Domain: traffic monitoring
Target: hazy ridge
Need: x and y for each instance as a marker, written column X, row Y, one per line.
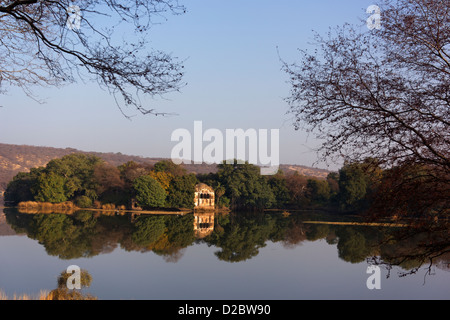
column 21, row 158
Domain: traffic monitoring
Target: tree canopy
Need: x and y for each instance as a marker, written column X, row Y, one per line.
column 50, row 43
column 383, row 94
column 380, row 93
column 51, row 188
column 149, row 193
column 182, row 191
column 78, row 171
column 246, row 187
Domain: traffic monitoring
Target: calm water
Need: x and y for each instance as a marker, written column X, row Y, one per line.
column 202, row 256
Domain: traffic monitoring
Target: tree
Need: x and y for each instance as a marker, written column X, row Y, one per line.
column 163, row 178
column 278, row 184
column 245, row 186
column 333, row 183
column 109, row 185
column 83, row 202
column 131, row 170
column 359, row 184
column 352, row 186
column 78, row 171
column 149, row 193
column 47, row 43
column 318, row 191
column 107, row 177
column 219, row 191
column 169, row 167
column 85, row 279
column 20, row 188
column 381, row 93
column 182, row 191
column 296, row 185
column 63, row 293
column 50, row 187
column 408, row 191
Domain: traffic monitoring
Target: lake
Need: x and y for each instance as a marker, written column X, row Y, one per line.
column 203, row 256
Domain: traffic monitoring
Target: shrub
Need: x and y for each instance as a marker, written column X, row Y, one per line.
column 83, row 202
column 149, row 193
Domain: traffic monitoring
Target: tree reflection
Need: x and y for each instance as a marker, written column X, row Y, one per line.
column 237, row 237
column 294, row 235
column 242, row 237
column 352, row 246
column 411, row 250
column 148, row 230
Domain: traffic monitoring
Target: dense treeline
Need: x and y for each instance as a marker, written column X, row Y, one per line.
column 362, row 187
column 88, row 181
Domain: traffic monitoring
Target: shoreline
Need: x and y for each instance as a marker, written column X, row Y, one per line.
column 44, row 209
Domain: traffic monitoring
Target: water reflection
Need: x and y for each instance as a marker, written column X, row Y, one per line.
column 203, row 224
column 62, row 292
column 236, row 237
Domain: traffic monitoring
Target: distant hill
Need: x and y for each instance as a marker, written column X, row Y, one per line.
column 21, row 158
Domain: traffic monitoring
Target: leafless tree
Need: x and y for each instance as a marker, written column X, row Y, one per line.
column 381, row 93
column 42, row 44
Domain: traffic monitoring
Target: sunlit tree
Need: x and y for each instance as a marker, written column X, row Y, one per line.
column 149, row 193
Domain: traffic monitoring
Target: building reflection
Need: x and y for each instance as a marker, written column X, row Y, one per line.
column 203, row 224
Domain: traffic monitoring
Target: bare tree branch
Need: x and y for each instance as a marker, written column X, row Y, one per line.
column 37, row 48
column 383, row 94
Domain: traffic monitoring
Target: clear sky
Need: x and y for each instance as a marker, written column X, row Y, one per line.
column 233, row 74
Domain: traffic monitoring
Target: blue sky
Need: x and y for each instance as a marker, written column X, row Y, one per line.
column 233, row 75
